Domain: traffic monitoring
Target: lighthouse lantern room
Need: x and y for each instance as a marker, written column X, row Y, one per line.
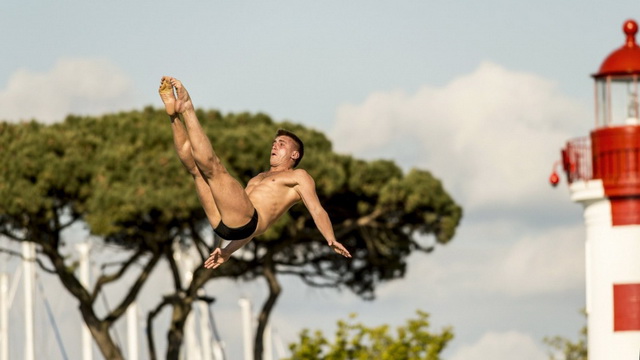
column 603, row 171
column 617, row 83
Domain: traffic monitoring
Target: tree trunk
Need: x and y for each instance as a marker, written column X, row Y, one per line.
column 100, row 332
column 175, row 336
column 263, row 318
column 99, row 329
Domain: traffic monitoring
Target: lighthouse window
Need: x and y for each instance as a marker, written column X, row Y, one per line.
column 617, row 101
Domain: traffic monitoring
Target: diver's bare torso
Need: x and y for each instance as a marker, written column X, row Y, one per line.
column 272, row 194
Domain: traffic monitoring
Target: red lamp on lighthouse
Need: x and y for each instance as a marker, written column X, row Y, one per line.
column 603, row 171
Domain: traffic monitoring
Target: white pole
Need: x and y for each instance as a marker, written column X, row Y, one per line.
column 247, row 327
column 4, row 316
column 268, row 349
column 28, row 255
column 205, row 334
column 83, row 250
column 217, row 345
column 132, row 330
column 191, row 348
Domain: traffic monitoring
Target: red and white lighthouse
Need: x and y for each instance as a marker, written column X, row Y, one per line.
column 603, row 171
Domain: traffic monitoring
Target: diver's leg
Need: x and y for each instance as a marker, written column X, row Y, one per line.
column 231, row 200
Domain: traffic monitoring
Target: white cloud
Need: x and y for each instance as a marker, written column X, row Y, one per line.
column 492, row 136
column 78, row 86
column 551, row 261
column 501, row 346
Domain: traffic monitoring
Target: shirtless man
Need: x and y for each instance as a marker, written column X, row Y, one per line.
column 235, row 213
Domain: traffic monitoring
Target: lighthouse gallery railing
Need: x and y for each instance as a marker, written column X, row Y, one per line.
column 576, row 159
column 611, row 154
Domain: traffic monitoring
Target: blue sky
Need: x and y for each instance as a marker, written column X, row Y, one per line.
column 483, row 95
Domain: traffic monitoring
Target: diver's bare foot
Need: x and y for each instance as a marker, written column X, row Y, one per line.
column 167, row 95
column 183, row 100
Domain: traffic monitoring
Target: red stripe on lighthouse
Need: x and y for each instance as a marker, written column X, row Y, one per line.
column 616, row 160
column 625, row 211
column 626, row 307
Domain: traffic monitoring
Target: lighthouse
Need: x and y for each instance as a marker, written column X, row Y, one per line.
column 603, row 172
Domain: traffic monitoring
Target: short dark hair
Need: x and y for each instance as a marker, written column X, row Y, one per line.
column 296, row 139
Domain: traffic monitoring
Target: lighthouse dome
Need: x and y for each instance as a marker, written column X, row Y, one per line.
column 625, row 60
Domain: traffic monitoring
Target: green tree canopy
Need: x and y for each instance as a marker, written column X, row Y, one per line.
column 562, row 348
column 413, row 341
column 118, row 174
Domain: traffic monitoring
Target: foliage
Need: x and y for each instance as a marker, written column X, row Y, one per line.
column 570, row 350
column 412, row 341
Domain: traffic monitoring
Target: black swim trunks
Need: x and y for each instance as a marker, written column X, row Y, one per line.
column 238, row 233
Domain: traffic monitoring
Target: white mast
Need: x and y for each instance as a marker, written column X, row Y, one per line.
column 191, row 349
column 132, row 331
column 247, row 326
column 268, row 349
column 83, row 250
column 28, row 255
column 4, row 316
column 205, row 333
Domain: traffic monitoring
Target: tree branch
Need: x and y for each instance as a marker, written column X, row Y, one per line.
column 274, row 292
column 199, row 243
column 175, row 272
column 69, row 223
column 105, row 279
column 306, row 278
column 36, row 259
column 66, row 275
column 349, row 225
column 133, row 293
column 150, row 317
column 11, row 236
